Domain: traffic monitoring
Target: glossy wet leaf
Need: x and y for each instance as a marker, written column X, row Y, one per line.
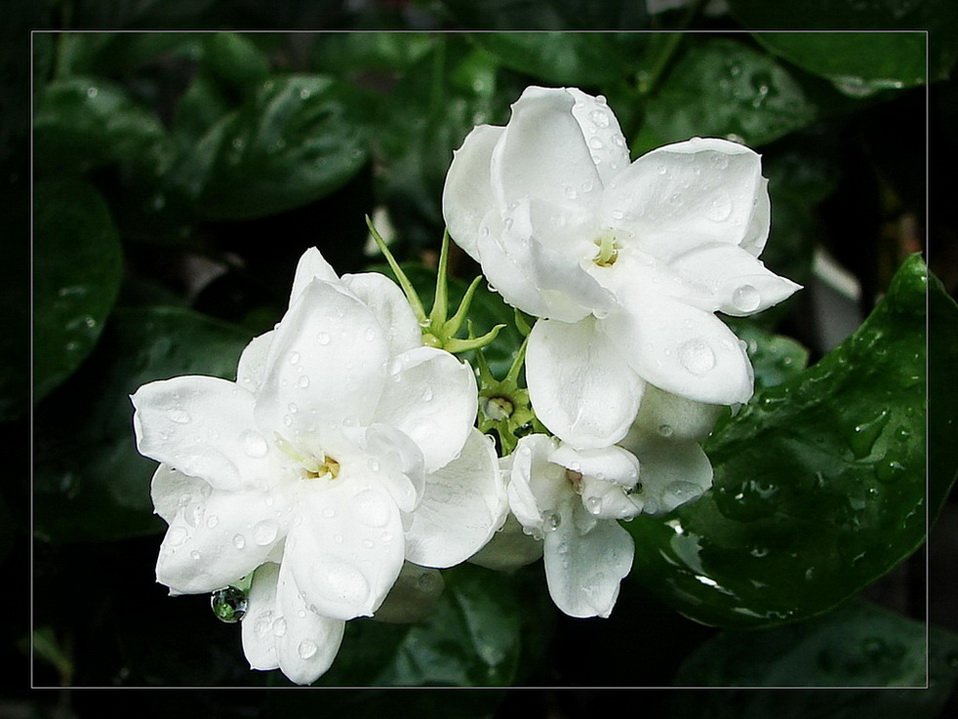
column 775, row 358
column 858, row 63
column 294, row 141
column 77, row 269
column 566, row 58
column 819, row 485
column 937, row 16
column 473, row 638
column 723, row 88
column 86, row 122
column 90, row 483
column 857, row 645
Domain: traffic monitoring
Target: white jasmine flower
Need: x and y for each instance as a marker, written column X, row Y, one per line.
column 625, row 263
column 571, row 500
column 343, row 449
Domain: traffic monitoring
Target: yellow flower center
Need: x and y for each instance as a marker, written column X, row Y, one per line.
column 313, row 466
column 608, row 251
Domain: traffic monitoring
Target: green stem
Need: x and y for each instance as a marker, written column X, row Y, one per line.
column 410, row 291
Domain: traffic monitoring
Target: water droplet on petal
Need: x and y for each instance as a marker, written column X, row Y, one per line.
column 340, row 581
column 253, row 444
column 665, row 430
column 179, row 416
column 696, row 356
column 719, row 207
column 294, row 358
column 264, row 533
column 322, row 338
column 239, row 541
column 303, row 382
column 595, row 143
column 369, row 334
column 593, row 504
column 551, row 521
column 279, row 627
column 307, row 649
column 746, row 298
column 371, row 508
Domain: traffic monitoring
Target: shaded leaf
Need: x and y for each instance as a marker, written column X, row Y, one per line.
column 86, row 122
column 294, row 141
column 723, row 88
column 858, row 63
column 857, row 645
column 77, row 274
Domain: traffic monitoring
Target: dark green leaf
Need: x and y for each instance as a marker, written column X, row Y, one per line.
column 723, row 88
column 819, row 485
column 939, row 17
column 858, row 63
column 472, row 639
column 235, row 60
column 295, row 141
column 857, row 645
column 350, row 54
column 565, row 58
column 77, row 274
column 432, row 108
column 119, row 55
column 85, row 122
column 775, row 358
column 90, row 483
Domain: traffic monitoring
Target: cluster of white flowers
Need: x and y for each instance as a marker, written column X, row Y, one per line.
column 347, row 450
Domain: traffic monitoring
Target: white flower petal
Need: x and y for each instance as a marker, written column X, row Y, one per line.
column 680, row 196
column 312, row 265
column 252, row 363
column 543, row 153
column 306, row 642
column 739, row 284
column 202, row 426
column 602, row 132
column 171, row 489
column 581, row 388
column 662, row 414
column 326, row 364
column 432, row 398
column 397, row 461
column 609, row 464
column 681, row 349
column 464, row 504
column 583, row 571
column 216, row 539
column 529, row 277
column 467, row 194
column 389, row 305
column 536, row 487
column 348, row 549
column 510, row 548
column 673, row 472
column 259, row 639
